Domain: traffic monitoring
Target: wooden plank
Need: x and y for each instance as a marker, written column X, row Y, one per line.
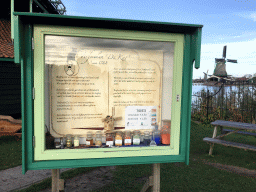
column 245, row 126
column 239, row 132
column 230, row 144
column 229, row 133
column 213, row 136
column 146, row 186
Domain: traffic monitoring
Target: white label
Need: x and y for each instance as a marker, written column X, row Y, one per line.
column 136, row 141
column 140, row 117
column 118, row 142
column 110, row 143
column 127, row 141
column 87, row 143
column 76, row 143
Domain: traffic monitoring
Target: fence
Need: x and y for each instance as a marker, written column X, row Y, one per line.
column 234, row 101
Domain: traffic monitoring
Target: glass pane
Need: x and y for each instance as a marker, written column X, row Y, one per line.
column 107, row 92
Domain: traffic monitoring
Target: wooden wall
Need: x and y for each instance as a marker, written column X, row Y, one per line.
column 10, row 89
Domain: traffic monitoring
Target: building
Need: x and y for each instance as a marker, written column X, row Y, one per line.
column 10, row 79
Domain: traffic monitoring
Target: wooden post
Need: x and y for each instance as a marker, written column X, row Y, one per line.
column 55, row 180
column 57, row 183
column 213, row 136
column 153, row 181
column 156, row 177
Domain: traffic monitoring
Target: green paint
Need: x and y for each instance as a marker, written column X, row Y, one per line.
column 188, row 38
column 7, row 59
column 17, row 40
column 43, row 15
column 12, row 22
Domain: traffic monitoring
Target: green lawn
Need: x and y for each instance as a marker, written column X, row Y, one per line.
column 198, row 176
column 221, row 154
column 10, row 153
column 180, row 177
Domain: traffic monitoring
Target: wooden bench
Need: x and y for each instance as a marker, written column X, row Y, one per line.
column 10, row 126
column 236, row 125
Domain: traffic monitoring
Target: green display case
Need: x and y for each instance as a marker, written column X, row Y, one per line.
column 84, row 77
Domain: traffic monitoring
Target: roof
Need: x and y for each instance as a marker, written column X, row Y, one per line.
column 6, row 46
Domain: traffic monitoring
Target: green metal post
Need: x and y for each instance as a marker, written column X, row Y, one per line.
column 31, row 6
column 12, row 24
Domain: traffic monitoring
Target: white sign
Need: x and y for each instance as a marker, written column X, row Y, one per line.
column 140, row 117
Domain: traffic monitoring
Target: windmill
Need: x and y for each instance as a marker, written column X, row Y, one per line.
column 220, row 64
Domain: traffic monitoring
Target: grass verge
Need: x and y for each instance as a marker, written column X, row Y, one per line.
column 10, row 153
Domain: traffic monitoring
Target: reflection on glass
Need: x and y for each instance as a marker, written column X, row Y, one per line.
column 96, row 86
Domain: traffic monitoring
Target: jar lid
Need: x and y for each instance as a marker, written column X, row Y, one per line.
column 98, row 133
column 89, row 134
column 146, row 133
column 135, row 132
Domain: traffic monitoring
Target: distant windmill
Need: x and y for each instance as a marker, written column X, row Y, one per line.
column 206, row 75
column 220, row 64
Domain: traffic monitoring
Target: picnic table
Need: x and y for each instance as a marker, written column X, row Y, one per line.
column 241, row 128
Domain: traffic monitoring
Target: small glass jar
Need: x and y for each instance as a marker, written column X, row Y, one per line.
column 57, row 143
column 142, row 138
column 76, row 140
column 147, row 138
column 136, row 137
column 127, row 138
column 69, row 141
column 165, row 132
column 119, row 138
column 156, row 134
column 89, row 138
column 62, row 143
column 103, row 138
column 98, row 139
column 109, row 139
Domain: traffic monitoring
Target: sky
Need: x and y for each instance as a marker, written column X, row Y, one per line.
column 229, row 22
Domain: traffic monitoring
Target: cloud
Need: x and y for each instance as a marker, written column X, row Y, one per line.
column 249, row 15
column 253, row 16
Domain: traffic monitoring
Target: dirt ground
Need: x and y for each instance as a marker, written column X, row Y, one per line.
column 93, row 180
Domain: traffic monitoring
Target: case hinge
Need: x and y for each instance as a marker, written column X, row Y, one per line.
column 32, row 43
column 33, row 93
column 34, row 141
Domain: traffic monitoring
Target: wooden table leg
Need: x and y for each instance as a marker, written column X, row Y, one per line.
column 213, row 136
